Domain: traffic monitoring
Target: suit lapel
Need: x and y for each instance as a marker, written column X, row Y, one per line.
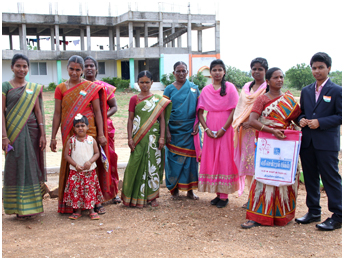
column 311, row 96
column 323, row 92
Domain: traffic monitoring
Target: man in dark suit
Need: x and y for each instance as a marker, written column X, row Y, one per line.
column 320, row 119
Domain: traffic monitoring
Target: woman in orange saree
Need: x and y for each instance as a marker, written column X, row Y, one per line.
column 74, row 96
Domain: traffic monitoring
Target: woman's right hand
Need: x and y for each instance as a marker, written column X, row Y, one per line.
column 246, row 125
column 5, row 143
column 168, row 137
column 53, row 144
column 278, row 134
column 210, row 133
column 131, row 144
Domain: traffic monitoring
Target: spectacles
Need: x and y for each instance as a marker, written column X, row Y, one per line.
column 181, row 71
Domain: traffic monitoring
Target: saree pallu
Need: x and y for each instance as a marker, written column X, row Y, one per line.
column 181, row 166
column 270, row 205
column 76, row 101
column 110, row 93
column 24, row 173
column 244, row 146
column 144, row 172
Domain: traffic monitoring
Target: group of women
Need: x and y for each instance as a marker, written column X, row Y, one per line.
column 163, row 134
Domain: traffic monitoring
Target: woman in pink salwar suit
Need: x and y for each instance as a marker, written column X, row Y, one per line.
column 218, row 173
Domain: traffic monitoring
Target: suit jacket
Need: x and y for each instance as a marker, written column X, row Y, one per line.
column 328, row 111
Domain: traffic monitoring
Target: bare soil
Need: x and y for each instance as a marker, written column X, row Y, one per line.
column 177, row 228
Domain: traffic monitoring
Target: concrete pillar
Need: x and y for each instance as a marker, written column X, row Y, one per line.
column 23, row 37
column 59, row 71
column 179, row 41
column 57, row 36
column 111, row 40
column 189, row 34
column 199, row 38
column 137, row 38
column 217, row 37
column 132, row 72
column 82, row 39
column 64, row 42
column 52, row 35
column 119, row 69
column 146, row 35
column 161, row 66
column 38, row 43
column 118, row 39
column 11, row 41
column 131, row 33
column 88, row 34
column 172, row 32
column 161, row 34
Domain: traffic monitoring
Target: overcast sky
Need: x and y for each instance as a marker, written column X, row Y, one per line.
column 286, row 33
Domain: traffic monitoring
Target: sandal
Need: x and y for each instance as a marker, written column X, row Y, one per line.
column 245, row 205
column 154, row 203
column 116, row 200
column 94, row 216
column 215, row 201
column 250, row 224
column 100, row 209
column 75, row 216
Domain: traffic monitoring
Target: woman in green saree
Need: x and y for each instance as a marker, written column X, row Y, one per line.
column 148, row 116
column 23, row 140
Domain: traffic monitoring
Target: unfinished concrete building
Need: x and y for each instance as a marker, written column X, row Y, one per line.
column 124, row 58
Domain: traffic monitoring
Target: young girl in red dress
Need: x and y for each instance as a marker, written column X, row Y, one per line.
column 82, row 188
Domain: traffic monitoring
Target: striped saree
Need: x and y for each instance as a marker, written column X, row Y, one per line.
column 24, row 174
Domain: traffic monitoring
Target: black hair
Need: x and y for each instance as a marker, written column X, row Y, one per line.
column 19, row 56
column 146, row 73
column 94, row 61
column 263, row 62
column 223, row 81
column 322, row 57
column 268, row 76
column 179, row 63
column 77, row 59
column 81, row 120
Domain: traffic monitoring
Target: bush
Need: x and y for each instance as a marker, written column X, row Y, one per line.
column 237, row 77
column 299, row 76
column 117, row 82
column 52, row 86
column 336, row 77
column 199, row 79
column 167, row 79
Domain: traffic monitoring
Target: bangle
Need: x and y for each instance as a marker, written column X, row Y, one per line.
column 205, row 130
column 101, row 136
column 40, row 124
column 223, row 129
column 162, row 138
column 262, row 128
column 53, row 139
column 4, row 138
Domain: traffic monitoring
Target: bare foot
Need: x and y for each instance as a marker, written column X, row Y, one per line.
column 154, row 203
column 175, row 194
column 192, row 196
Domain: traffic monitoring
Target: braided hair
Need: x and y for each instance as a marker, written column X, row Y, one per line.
column 223, row 81
column 264, row 63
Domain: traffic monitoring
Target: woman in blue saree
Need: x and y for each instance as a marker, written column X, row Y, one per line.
column 181, row 166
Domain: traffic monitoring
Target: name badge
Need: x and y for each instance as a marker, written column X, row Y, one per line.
column 327, row 98
column 29, row 91
column 193, row 90
column 83, row 93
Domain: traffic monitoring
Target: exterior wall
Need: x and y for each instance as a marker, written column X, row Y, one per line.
column 199, row 62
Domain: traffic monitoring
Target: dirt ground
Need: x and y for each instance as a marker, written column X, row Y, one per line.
column 177, row 228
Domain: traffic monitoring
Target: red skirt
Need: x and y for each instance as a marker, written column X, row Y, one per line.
column 82, row 190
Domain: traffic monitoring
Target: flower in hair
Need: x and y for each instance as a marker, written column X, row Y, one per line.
column 78, row 116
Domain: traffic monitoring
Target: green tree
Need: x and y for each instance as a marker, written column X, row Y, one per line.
column 237, row 77
column 167, row 79
column 199, row 79
column 299, row 76
column 336, row 77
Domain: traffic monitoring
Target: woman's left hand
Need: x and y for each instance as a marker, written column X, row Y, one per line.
column 42, row 142
column 195, row 130
column 87, row 165
column 102, row 140
column 161, row 143
column 220, row 133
